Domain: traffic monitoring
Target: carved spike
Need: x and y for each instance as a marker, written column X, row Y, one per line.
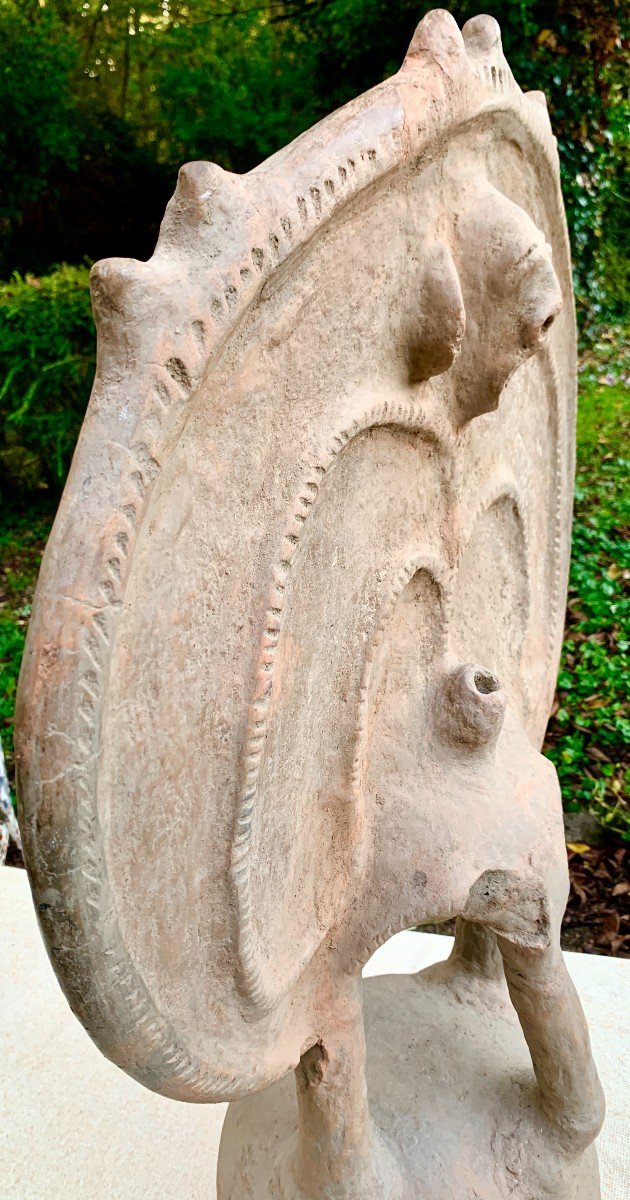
column 205, row 194
column 197, row 182
column 438, row 36
column 482, row 39
column 111, row 280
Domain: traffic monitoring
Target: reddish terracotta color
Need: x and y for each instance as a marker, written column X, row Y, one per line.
column 294, row 645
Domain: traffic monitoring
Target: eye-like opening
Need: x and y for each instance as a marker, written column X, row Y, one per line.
column 471, row 707
column 548, row 323
column 486, row 683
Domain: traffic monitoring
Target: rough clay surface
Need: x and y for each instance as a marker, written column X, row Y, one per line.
column 294, row 645
column 440, row 1035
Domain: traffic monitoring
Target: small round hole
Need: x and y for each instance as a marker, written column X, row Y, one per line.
column 548, row 323
column 486, row 683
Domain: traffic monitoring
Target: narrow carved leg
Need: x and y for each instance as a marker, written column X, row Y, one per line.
column 340, row 1153
column 475, row 949
column 555, row 1029
column 525, row 913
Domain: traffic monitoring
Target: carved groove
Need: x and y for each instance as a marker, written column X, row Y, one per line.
column 442, row 576
column 167, row 1055
column 386, row 413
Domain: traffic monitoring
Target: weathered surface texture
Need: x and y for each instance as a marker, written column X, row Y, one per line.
column 326, row 469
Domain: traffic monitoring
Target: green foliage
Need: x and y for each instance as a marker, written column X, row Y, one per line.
column 233, row 80
column 588, row 736
column 76, row 182
column 244, row 108
column 38, row 57
column 46, row 371
column 22, row 539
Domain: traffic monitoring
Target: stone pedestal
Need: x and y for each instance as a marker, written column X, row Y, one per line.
column 451, row 1093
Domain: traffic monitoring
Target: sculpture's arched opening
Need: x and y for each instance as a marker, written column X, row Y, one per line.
column 491, row 597
column 308, row 801
column 411, row 646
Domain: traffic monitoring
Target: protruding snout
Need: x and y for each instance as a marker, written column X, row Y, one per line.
column 510, row 292
column 540, row 299
column 470, row 707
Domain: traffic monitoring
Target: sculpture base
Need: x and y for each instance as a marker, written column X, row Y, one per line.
column 451, row 1089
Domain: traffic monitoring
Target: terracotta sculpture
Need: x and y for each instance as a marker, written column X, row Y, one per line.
column 326, row 469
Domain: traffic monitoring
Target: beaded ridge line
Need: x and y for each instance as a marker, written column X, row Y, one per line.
column 170, row 389
column 168, row 1057
column 397, row 414
column 561, row 548
column 163, row 1057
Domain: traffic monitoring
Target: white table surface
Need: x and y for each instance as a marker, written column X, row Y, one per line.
column 74, row 1127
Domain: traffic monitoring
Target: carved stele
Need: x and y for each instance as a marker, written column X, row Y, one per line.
column 327, row 468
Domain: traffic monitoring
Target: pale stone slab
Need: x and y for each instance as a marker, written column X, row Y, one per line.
column 74, row 1126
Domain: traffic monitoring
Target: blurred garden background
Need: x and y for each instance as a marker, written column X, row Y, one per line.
column 101, row 102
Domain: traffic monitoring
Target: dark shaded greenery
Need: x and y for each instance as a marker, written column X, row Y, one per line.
column 22, row 539
column 47, row 359
column 120, row 94
column 37, row 63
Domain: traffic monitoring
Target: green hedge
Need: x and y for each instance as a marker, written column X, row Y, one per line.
column 47, row 359
column 589, row 733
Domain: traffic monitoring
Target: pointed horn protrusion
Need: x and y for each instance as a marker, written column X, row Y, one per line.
column 439, row 38
column 197, row 182
column 482, row 38
column 206, row 196
column 200, row 186
column 111, row 282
